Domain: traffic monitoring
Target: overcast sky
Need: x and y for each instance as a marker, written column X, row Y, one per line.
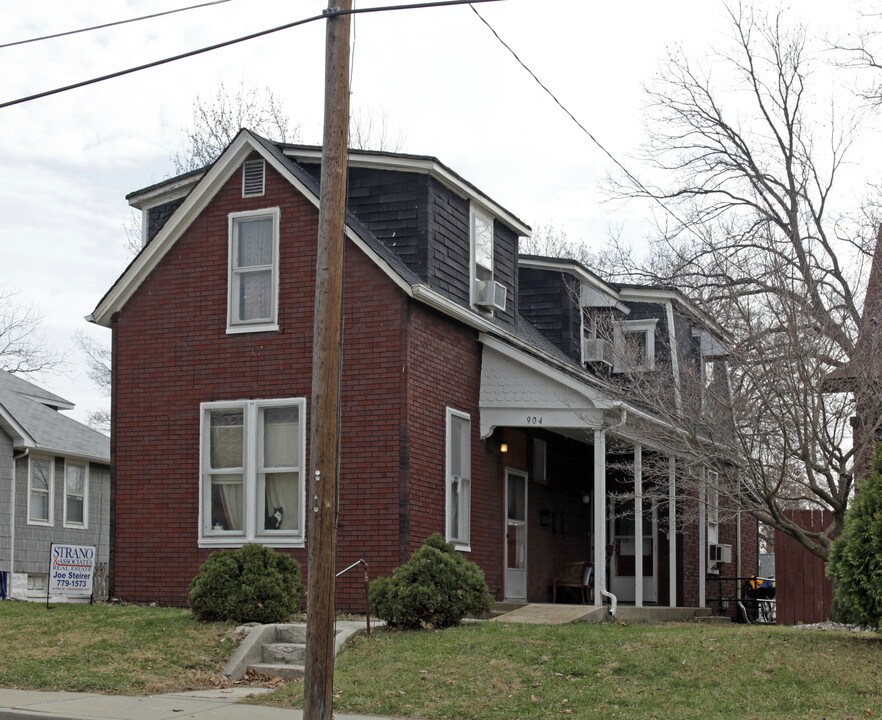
column 438, row 76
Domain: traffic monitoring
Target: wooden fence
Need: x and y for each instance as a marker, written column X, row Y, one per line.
column 803, row 591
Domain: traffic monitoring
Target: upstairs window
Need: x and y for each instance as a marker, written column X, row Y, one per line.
column 253, row 271
column 634, row 346
column 76, row 494
column 40, row 490
column 459, row 478
column 485, row 293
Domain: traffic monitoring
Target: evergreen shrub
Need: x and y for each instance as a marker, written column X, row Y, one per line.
column 436, row 588
column 855, row 562
column 251, row 584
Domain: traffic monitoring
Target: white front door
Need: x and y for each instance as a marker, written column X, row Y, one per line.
column 515, row 535
column 622, row 564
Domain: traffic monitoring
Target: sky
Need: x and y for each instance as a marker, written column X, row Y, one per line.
column 442, row 81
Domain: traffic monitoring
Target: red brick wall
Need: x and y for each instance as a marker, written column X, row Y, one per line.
column 444, row 370
column 173, row 353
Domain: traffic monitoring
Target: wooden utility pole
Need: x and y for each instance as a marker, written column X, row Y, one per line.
column 318, row 687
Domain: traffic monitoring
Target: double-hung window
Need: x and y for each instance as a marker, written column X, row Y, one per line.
column 253, row 291
column 41, row 493
column 634, row 345
column 481, row 252
column 459, row 478
column 253, row 455
column 76, row 494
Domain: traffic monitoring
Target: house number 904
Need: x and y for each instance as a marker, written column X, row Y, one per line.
column 534, row 419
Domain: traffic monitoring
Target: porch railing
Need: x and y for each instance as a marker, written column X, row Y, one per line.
column 753, row 598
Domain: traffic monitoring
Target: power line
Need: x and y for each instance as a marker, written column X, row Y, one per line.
column 234, row 41
column 110, row 24
column 585, row 130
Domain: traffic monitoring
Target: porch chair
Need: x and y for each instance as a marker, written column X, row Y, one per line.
column 576, row 576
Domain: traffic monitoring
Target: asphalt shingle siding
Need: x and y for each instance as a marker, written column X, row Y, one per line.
column 550, row 301
column 392, row 205
column 448, row 247
column 505, row 253
column 159, row 215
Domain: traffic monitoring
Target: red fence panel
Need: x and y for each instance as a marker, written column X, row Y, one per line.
column 804, row 593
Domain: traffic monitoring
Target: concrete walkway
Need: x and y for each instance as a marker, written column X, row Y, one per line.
column 199, row 705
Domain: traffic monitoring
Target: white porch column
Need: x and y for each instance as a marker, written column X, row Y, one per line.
column 672, row 531
column 638, row 525
column 599, row 514
column 702, row 540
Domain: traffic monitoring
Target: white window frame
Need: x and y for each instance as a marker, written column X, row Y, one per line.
column 634, row 327
column 51, row 499
column 264, row 324
column 461, row 537
column 712, row 499
column 85, row 523
column 253, row 500
column 476, row 213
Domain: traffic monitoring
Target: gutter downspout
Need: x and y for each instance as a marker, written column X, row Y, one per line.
column 15, row 459
column 613, row 600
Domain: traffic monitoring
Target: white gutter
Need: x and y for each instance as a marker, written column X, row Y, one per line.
column 675, row 358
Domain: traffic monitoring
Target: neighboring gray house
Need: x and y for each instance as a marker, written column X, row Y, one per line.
column 54, row 485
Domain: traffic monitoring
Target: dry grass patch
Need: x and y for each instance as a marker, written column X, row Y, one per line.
column 122, row 649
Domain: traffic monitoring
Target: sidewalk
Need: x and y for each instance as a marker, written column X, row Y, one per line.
column 202, row 705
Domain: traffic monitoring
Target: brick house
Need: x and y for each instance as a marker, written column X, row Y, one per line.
column 54, row 486
column 475, row 401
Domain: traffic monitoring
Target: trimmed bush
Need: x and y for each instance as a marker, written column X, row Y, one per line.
column 855, row 562
column 252, row 584
column 436, row 588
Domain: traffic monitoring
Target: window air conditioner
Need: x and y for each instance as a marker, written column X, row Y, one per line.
column 719, row 553
column 490, row 294
column 594, row 350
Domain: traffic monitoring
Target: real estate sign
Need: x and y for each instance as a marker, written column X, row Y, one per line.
column 71, row 568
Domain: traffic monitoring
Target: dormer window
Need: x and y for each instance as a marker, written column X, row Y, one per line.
column 634, row 345
column 486, row 293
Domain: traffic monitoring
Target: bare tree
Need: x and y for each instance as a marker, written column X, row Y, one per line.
column 750, row 233
column 22, row 350
column 98, row 360
column 216, row 121
column 369, row 131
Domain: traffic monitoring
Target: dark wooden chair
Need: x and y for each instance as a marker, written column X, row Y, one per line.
column 576, row 576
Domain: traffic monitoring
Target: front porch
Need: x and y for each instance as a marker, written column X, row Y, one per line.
column 583, row 482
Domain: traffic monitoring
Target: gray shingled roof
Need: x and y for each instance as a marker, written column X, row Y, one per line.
column 26, row 411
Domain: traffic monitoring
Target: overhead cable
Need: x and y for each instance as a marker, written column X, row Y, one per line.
column 110, row 24
column 234, row 41
column 585, row 130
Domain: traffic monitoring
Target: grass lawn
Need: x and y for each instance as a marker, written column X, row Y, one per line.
column 484, row 670
column 118, row 649
column 493, row 670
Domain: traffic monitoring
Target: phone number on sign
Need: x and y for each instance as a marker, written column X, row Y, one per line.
column 71, row 583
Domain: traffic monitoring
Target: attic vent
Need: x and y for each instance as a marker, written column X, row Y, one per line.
column 253, row 177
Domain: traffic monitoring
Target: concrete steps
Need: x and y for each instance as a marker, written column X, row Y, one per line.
column 280, row 650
